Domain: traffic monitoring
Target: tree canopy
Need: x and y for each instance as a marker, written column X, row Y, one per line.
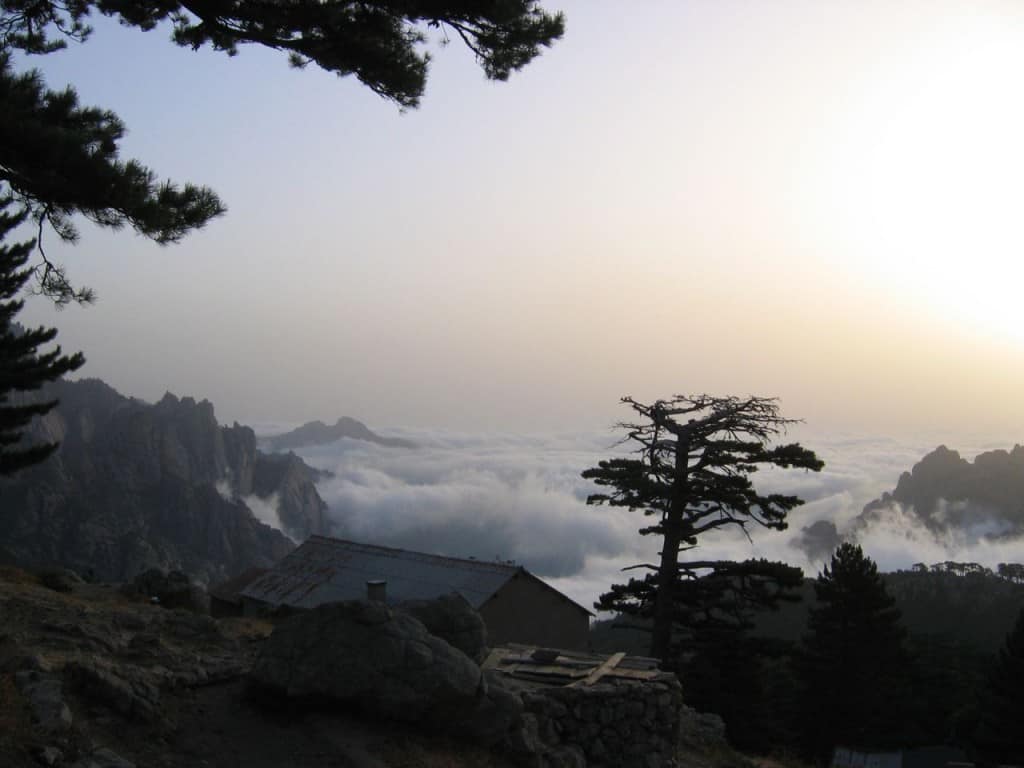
column 59, row 159
column 380, row 42
column 694, row 477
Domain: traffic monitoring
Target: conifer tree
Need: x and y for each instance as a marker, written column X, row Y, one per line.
column 380, row 42
column 23, row 367
column 1000, row 735
column 855, row 665
column 59, row 159
column 693, row 477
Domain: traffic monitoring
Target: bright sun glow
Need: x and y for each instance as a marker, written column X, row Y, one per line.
column 927, row 180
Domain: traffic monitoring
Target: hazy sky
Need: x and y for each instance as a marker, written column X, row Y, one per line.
column 814, row 200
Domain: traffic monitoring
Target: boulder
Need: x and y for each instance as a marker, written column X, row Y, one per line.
column 453, row 619
column 363, row 654
column 700, row 730
column 498, row 714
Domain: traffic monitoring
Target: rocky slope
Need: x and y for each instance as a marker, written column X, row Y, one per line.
column 91, row 677
column 135, row 486
column 95, row 675
column 318, row 433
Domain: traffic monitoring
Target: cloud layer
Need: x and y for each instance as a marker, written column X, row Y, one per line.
column 521, row 498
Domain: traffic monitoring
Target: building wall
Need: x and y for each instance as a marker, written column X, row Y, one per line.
column 530, row 612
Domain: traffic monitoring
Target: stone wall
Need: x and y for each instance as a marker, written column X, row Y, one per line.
column 620, row 724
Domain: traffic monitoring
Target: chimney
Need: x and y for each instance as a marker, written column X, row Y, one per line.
column 376, row 590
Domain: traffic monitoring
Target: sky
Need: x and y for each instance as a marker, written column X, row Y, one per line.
column 815, row 201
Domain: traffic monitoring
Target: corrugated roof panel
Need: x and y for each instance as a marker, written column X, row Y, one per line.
column 325, row 570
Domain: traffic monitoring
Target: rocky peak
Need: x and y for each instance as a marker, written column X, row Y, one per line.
column 317, row 433
column 945, row 490
column 135, row 486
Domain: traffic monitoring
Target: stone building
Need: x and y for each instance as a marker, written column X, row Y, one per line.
column 516, row 606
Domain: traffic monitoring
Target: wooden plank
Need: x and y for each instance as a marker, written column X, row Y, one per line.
column 546, row 669
column 602, row 670
column 633, row 674
column 638, row 662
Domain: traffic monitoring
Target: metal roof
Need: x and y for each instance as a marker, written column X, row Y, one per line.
column 326, row 570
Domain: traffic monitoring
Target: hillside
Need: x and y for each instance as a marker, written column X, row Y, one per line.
column 129, row 683
column 974, row 611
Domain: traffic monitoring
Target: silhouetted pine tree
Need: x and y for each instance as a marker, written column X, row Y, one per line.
column 1000, row 734
column 380, row 42
column 691, row 472
column 23, row 368
column 59, row 159
column 855, row 665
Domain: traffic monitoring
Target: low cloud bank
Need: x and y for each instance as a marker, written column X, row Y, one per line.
column 494, row 497
column 521, row 498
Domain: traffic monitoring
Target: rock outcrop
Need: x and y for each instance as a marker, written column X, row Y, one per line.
column 363, row 654
column 453, row 619
column 386, row 663
column 946, row 492
column 317, row 433
column 290, row 481
column 137, row 486
column 97, row 678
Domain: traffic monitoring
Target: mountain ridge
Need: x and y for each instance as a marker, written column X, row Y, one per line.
column 314, row 433
column 137, row 485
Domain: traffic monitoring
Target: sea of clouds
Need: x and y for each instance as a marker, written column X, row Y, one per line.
column 521, row 498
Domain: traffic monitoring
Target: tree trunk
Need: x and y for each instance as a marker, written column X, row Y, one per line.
column 668, row 573
column 668, row 568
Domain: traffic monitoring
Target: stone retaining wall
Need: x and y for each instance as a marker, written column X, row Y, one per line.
column 620, row 724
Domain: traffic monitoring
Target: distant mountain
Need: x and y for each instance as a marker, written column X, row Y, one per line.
column 318, row 433
column 945, row 491
column 135, row 486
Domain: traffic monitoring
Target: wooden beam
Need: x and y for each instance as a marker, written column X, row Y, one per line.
column 609, row 664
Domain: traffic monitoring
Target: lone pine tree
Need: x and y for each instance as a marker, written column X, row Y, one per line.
column 855, row 666
column 693, row 477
